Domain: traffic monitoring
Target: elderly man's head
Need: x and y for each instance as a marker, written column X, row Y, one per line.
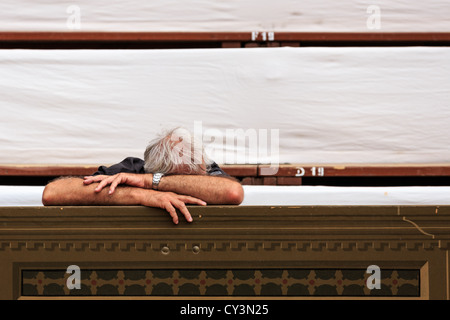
column 176, row 152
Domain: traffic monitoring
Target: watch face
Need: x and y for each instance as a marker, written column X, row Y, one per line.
column 156, row 179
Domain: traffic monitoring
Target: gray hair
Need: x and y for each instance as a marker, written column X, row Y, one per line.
column 175, row 149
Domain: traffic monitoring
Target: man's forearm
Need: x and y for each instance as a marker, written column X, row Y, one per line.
column 211, row 189
column 72, row 191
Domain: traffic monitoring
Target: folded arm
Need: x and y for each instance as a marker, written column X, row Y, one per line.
column 135, row 189
column 211, row 189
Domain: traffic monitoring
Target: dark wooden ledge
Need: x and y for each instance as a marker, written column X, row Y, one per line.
column 224, row 36
column 135, row 40
column 37, row 244
column 286, row 170
column 287, row 174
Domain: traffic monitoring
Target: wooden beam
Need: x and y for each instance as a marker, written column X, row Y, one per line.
column 35, row 241
column 227, row 36
column 40, row 171
column 361, row 170
column 285, row 170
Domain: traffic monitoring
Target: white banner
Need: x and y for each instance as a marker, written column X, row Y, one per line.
column 261, row 105
column 229, row 15
column 286, row 196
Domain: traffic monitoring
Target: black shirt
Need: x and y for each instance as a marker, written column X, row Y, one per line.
column 136, row 165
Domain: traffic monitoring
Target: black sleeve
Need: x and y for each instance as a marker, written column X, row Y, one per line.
column 129, row 165
column 215, row 170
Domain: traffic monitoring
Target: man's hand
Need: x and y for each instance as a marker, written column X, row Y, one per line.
column 170, row 201
column 131, row 179
column 73, row 191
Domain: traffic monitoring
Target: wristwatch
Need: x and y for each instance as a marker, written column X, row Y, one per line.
column 156, row 179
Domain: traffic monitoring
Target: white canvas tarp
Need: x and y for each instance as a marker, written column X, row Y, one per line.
column 319, row 105
column 229, row 15
column 286, row 196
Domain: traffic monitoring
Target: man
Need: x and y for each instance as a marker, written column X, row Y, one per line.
column 175, row 172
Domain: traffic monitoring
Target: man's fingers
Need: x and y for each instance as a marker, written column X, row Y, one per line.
column 192, row 200
column 172, row 205
column 182, row 207
column 113, row 186
column 135, row 180
column 181, row 201
column 102, row 184
column 104, row 180
column 171, row 210
column 90, row 179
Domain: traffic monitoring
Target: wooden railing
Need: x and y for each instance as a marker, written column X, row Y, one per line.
column 136, row 40
column 228, row 251
column 287, row 174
